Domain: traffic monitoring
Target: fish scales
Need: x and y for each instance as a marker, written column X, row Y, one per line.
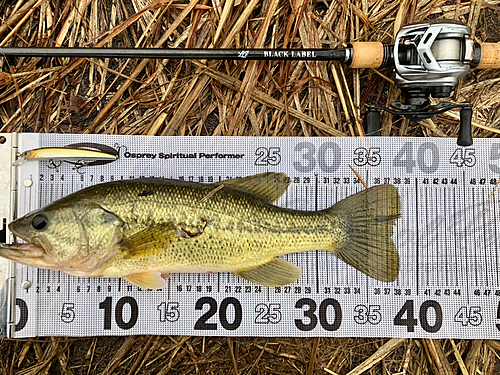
column 242, row 231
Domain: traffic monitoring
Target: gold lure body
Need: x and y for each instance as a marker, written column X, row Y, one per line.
column 64, row 154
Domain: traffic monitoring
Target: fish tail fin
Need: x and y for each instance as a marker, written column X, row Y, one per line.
column 367, row 218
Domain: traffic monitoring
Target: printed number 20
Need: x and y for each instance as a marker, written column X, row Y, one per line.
column 202, row 324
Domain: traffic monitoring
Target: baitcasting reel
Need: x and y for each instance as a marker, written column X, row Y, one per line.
column 429, row 59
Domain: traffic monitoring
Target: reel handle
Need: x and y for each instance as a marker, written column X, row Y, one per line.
column 465, row 132
column 490, row 56
column 372, row 122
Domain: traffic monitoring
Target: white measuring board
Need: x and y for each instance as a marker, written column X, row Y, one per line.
column 447, row 239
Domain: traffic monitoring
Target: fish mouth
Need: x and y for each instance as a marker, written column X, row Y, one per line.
column 38, row 246
column 32, row 253
column 22, row 253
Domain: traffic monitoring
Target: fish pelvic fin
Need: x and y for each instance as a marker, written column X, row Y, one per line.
column 368, row 217
column 278, row 272
column 147, row 280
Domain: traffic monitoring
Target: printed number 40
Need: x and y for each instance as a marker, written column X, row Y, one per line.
column 406, row 316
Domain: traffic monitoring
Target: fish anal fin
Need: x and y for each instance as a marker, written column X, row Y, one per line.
column 275, row 273
column 149, row 241
column 146, row 280
column 269, row 186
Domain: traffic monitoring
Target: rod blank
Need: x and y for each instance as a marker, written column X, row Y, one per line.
column 193, row 54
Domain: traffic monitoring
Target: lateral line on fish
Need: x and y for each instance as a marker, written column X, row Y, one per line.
column 358, row 176
column 205, row 198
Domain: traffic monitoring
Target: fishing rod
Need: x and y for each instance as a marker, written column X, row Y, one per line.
column 188, row 54
column 428, row 59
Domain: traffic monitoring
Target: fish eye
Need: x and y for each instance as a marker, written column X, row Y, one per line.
column 39, row 222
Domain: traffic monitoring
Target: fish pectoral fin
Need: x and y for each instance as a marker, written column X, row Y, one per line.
column 269, row 186
column 278, row 272
column 146, row 280
column 149, row 241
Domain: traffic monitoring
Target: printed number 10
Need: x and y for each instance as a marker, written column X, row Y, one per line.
column 107, row 306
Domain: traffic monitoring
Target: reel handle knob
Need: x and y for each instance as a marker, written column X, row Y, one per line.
column 465, row 132
column 372, row 122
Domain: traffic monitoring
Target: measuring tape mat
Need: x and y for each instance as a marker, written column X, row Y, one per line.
column 447, row 238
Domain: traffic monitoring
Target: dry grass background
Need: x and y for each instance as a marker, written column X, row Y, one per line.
column 154, row 97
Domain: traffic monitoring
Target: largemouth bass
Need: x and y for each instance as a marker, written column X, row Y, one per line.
column 142, row 230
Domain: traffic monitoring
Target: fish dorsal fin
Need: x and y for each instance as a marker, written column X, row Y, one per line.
column 146, row 280
column 278, row 272
column 269, row 186
column 149, row 241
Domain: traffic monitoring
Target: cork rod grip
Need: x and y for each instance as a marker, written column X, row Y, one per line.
column 367, row 54
column 490, row 56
